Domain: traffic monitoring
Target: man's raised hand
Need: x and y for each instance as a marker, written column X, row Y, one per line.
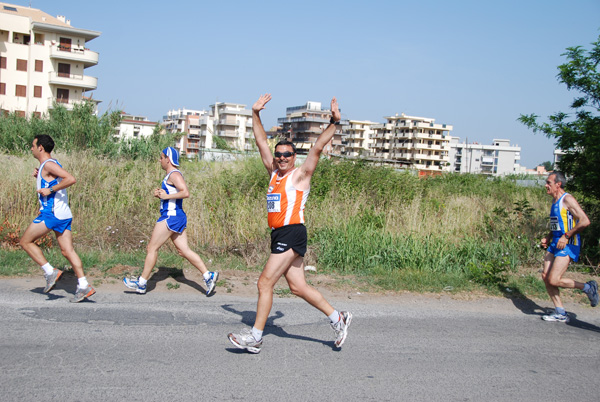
column 261, row 102
column 335, row 110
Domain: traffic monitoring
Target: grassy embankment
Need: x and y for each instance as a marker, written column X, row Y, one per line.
column 384, row 229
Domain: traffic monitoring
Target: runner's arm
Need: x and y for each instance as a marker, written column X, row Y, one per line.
column 55, row 170
column 308, row 167
column 259, row 132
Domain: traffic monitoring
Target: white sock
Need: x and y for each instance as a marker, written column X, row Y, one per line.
column 82, row 283
column 257, row 334
column 47, row 268
column 335, row 317
column 142, row 281
column 206, row 275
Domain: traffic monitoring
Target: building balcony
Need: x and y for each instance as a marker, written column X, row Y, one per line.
column 429, row 136
column 430, row 147
column 73, row 80
column 79, row 54
column 434, row 168
column 66, row 103
column 225, row 122
column 226, row 133
column 431, row 157
column 402, row 155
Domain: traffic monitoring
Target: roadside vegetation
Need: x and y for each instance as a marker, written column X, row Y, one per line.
column 388, row 229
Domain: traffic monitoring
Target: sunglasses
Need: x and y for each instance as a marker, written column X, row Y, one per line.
column 285, row 154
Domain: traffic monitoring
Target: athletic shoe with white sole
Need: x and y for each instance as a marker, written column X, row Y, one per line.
column 211, row 282
column 134, row 283
column 341, row 328
column 82, row 293
column 556, row 317
column 245, row 340
column 51, row 279
column 592, row 294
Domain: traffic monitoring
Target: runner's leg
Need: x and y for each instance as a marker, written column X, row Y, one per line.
column 276, row 266
column 33, row 232
column 160, row 235
column 297, row 281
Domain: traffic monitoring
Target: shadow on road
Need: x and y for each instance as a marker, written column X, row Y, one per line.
column 528, row 306
column 164, row 273
column 271, row 328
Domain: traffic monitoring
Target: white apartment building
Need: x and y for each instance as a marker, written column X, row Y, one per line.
column 412, row 142
column 42, row 61
column 231, row 122
column 498, row 159
column 358, row 139
column 134, row 127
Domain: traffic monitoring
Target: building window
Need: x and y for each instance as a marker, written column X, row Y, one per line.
column 2, row 88
column 39, row 66
column 21, row 65
column 62, row 95
column 20, row 113
column 21, row 90
column 2, row 62
column 37, row 91
column 37, row 115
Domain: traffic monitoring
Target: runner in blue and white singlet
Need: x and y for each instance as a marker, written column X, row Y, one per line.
column 171, row 194
column 561, row 221
column 52, row 181
column 172, row 210
column 54, row 208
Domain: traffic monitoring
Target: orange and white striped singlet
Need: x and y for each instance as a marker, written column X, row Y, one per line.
column 285, row 204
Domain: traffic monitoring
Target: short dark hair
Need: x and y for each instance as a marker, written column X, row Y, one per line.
column 46, row 141
column 286, row 142
column 559, row 177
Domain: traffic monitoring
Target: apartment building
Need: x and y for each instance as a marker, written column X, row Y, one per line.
column 303, row 124
column 226, row 124
column 358, row 139
column 498, row 159
column 232, row 122
column 134, row 127
column 412, row 142
column 42, row 61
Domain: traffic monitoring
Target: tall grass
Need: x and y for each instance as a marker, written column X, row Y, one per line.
column 361, row 219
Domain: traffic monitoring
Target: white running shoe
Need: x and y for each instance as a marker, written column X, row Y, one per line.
column 341, row 328
column 245, row 340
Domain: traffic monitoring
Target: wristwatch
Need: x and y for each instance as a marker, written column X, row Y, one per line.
column 332, row 121
column 51, row 190
column 567, row 236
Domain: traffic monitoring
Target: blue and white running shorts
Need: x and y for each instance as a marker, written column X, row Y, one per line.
column 52, row 223
column 175, row 223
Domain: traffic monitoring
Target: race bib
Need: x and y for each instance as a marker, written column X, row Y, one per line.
column 554, row 225
column 273, row 203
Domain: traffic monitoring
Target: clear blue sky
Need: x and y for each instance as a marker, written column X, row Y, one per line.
column 473, row 64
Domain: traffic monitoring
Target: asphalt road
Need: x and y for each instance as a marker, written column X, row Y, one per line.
column 172, row 346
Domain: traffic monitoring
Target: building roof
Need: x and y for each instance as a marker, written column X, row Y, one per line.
column 45, row 22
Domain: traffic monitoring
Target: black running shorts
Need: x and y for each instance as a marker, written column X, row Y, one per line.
column 289, row 237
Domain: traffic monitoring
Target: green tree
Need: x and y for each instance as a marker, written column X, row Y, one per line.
column 577, row 133
column 549, row 166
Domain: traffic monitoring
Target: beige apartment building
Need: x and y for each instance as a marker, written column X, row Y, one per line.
column 42, row 61
column 303, row 124
column 413, row 142
column 358, row 139
column 231, row 122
